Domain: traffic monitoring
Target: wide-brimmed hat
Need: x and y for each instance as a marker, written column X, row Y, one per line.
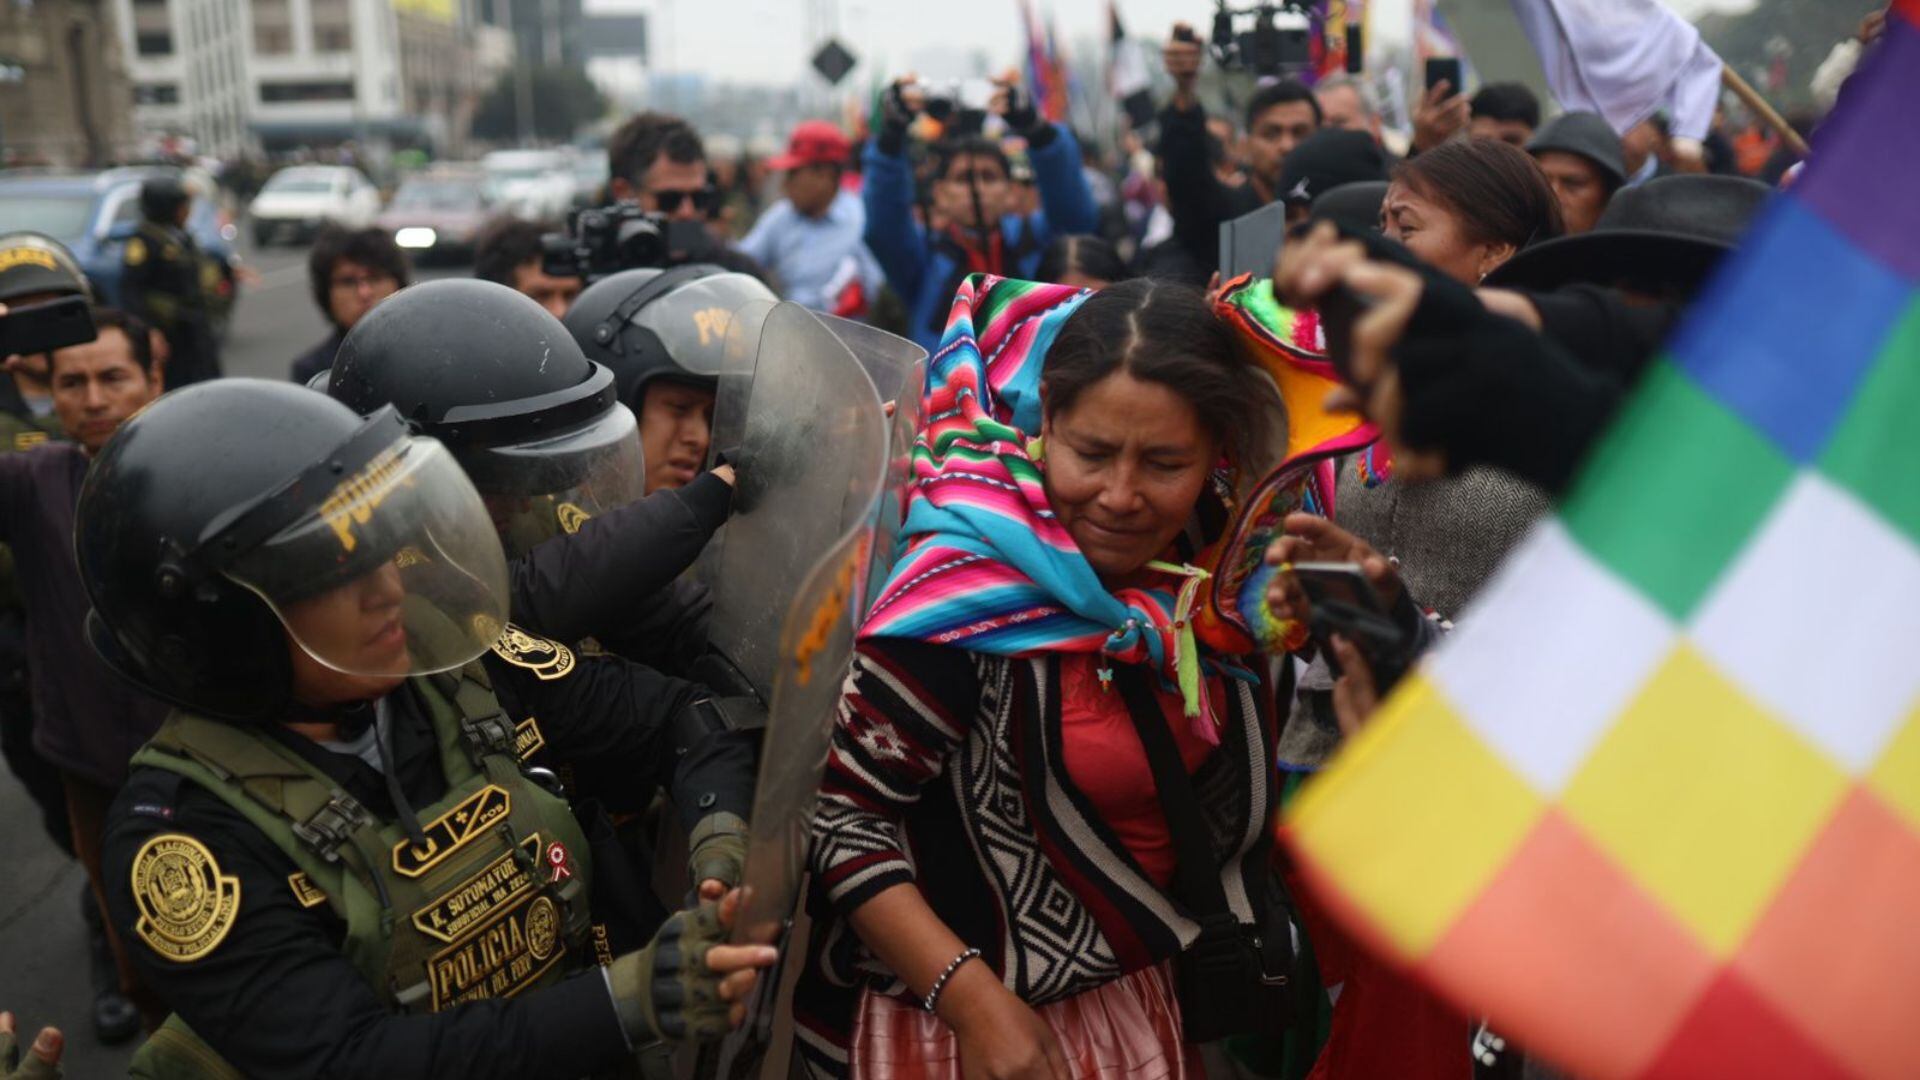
column 1588, row 135
column 1669, row 232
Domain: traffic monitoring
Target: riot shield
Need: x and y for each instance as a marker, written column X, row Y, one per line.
column 898, row 369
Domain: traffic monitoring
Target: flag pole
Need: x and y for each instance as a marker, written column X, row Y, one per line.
column 1746, row 93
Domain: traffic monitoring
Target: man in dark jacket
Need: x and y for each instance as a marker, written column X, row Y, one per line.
column 968, row 229
column 87, row 723
column 350, row 271
column 1280, row 116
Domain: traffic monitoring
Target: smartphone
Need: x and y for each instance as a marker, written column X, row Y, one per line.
column 1444, row 69
column 44, row 327
column 1346, row 603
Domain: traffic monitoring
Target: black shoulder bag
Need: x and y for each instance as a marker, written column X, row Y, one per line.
column 1234, row 978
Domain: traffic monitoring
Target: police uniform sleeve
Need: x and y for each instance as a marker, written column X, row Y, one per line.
column 588, row 584
column 261, row 978
column 618, row 725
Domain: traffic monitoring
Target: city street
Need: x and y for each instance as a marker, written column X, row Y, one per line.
column 43, row 953
column 277, row 319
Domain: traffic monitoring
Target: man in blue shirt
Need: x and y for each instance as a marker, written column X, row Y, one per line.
column 925, row 262
column 811, row 239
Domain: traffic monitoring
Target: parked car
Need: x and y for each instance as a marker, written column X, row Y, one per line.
column 533, row 184
column 297, row 200
column 437, row 214
column 94, row 213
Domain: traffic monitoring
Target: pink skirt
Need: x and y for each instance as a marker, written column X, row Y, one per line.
column 1129, row 1028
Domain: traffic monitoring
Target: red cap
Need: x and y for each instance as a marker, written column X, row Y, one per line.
column 813, row 142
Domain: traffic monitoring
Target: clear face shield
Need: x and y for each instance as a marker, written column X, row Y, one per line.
column 389, row 566
column 540, row 489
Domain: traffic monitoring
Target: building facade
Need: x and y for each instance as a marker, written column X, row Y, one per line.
column 275, row 75
column 65, row 97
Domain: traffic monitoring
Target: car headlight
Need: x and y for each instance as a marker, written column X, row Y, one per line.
column 415, row 237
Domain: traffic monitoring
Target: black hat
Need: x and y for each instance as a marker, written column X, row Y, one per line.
column 1669, row 232
column 161, row 198
column 1327, row 159
column 1588, row 135
column 32, row 263
column 1354, row 206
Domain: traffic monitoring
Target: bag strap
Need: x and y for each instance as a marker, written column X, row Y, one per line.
column 1195, row 876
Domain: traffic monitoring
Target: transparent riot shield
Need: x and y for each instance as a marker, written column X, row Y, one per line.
column 898, row 369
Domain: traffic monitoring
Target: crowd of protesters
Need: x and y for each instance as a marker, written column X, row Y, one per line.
column 1499, row 278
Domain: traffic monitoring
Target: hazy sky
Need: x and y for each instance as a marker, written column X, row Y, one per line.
column 766, row 41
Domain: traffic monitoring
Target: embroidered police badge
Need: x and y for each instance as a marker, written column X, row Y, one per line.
column 544, row 657
column 571, row 517
column 186, row 904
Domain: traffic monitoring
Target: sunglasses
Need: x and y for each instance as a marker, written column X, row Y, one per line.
column 669, row 201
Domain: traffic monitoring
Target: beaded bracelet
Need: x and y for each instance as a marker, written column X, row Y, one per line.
column 939, row 984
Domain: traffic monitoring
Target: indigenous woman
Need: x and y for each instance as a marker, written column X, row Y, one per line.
column 997, row 870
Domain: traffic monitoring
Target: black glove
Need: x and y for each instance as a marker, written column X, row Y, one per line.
column 666, row 991
column 896, row 115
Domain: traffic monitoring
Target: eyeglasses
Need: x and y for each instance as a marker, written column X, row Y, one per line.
column 669, row 200
column 357, row 282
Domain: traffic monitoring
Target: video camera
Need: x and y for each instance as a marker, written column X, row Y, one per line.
column 608, row 239
column 1251, row 37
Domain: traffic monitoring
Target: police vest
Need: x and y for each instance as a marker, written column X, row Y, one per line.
column 494, row 903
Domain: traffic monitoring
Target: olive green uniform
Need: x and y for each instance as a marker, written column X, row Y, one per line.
column 163, row 281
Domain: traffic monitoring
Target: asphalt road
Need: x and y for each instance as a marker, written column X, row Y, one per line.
column 43, row 953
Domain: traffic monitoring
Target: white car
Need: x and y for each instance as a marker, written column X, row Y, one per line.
column 533, row 184
column 297, row 200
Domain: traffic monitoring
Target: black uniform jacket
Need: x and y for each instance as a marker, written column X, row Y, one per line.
column 278, row 998
column 617, row 579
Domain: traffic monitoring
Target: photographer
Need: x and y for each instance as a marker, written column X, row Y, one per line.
column 1280, row 117
column 968, row 228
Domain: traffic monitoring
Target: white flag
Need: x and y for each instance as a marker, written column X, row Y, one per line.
column 1624, row 59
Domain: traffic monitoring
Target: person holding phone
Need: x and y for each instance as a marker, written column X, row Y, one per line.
column 969, row 225
column 1507, row 112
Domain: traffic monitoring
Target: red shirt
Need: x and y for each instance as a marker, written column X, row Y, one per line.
column 1106, row 762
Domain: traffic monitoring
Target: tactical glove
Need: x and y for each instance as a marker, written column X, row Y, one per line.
column 29, row 1066
column 666, row 991
column 717, row 848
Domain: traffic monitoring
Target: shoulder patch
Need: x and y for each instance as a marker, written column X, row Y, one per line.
column 543, row 656
column 27, row 440
column 136, row 251
column 304, row 890
column 527, row 739
column 571, row 517
column 186, row 904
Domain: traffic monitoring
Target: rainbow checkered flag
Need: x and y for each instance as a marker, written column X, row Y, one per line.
column 1655, row 808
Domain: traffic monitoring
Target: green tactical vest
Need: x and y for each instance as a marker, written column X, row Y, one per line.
column 489, row 907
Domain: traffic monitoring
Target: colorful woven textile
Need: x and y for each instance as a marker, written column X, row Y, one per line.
column 987, row 566
column 1655, row 808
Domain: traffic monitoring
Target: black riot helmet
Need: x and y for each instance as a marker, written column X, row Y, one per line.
column 662, row 324
column 161, row 198
column 230, row 518
column 495, row 377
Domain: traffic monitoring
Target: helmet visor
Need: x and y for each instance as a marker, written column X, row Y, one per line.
column 537, row 490
column 694, row 320
column 396, row 572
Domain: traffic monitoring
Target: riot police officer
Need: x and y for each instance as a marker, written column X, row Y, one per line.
column 160, row 281
column 542, row 434
column 333, row 857
column 664, row 334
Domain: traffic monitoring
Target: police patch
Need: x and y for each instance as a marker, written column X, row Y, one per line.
column 527, row 739
column 27, row 440
column 544, row 657
column 571, row 517
column 304, row 890
column 500, row 958
column 136, row 251
column 451, row 831
column 186, row 904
